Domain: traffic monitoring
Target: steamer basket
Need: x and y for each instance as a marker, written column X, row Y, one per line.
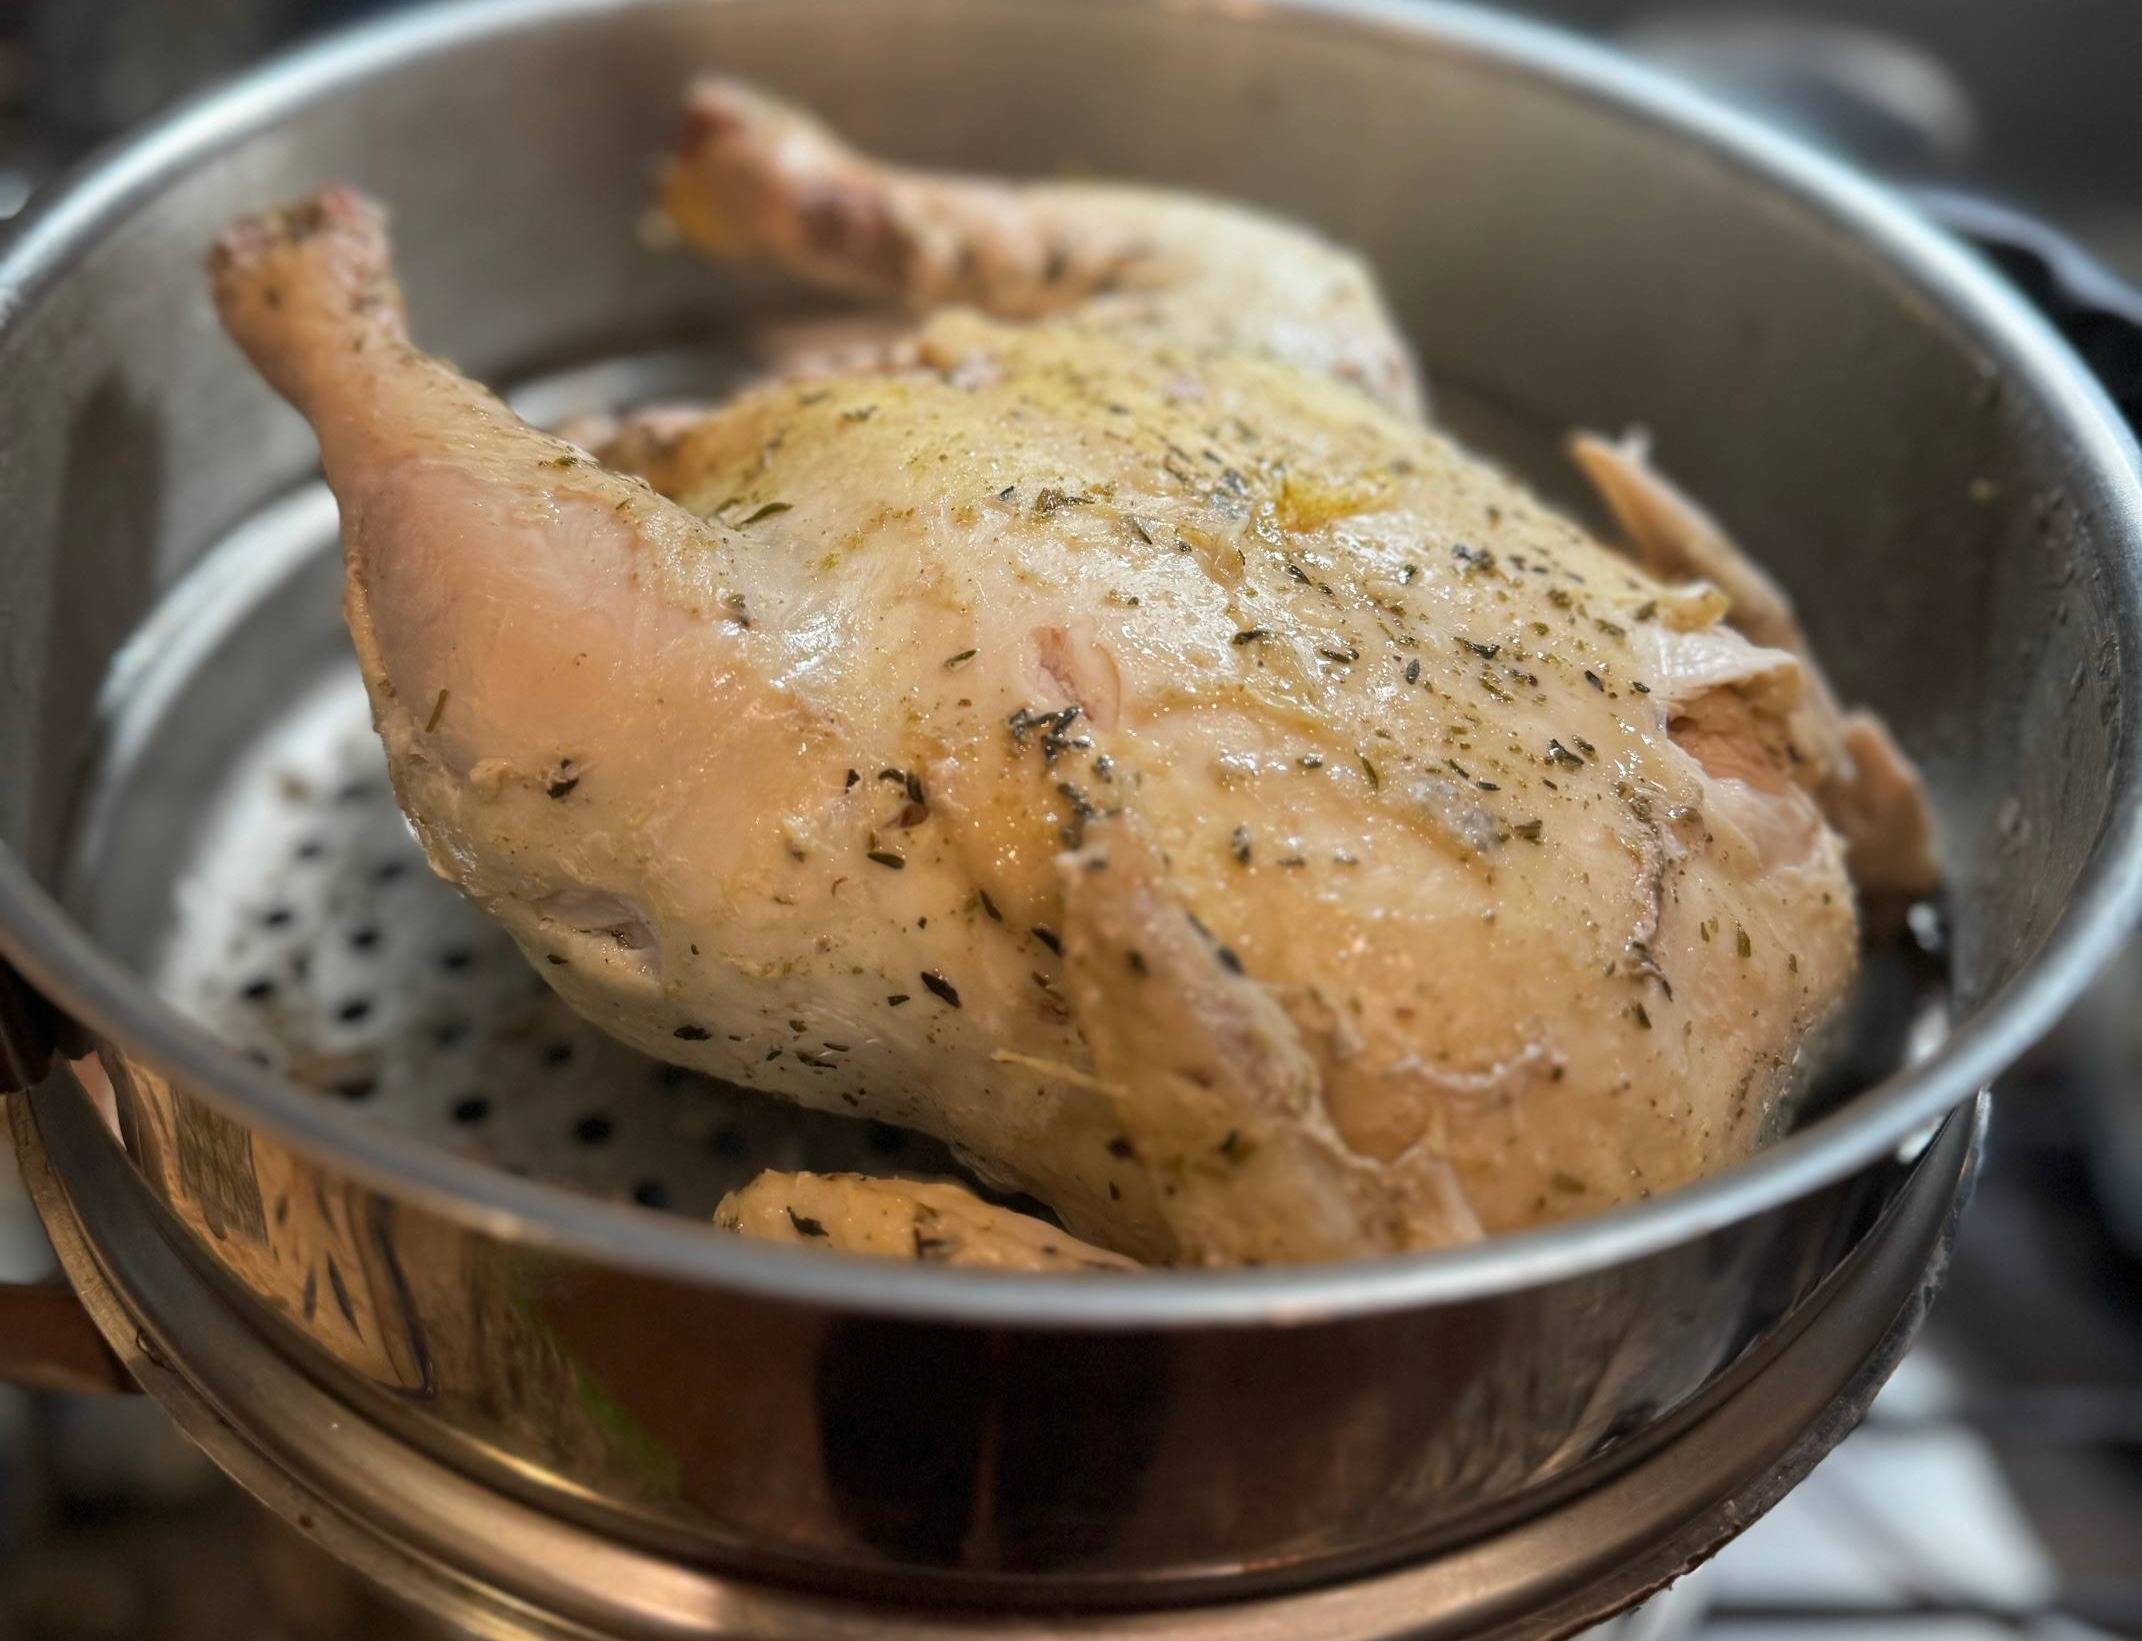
column 422, row 1259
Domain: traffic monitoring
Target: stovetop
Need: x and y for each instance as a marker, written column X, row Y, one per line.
column 1996, row 1487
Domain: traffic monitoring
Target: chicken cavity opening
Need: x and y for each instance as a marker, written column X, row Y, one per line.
column 619, row 930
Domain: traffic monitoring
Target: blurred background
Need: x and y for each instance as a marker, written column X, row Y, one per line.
column 1997, row 1488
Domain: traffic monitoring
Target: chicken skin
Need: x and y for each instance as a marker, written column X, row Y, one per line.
column 1106, row 729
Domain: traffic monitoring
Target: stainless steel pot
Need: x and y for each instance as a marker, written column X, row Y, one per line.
column 620, row 1419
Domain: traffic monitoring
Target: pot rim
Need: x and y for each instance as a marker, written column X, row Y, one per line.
column 57, row 956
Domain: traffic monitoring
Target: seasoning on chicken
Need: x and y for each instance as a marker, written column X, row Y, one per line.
column 1107, row 729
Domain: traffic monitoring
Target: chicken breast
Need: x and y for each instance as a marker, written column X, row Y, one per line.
column 1106, row 730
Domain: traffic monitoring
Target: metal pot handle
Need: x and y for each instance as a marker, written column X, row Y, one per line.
column 47, row 1340
column 2098, row 311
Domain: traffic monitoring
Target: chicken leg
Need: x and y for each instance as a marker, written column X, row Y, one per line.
column 752, row 178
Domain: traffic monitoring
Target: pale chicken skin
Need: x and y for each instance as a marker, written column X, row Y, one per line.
column 1132, row 748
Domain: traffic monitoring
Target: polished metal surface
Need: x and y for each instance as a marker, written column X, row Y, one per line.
column 502, row 1570
column 1570, row 243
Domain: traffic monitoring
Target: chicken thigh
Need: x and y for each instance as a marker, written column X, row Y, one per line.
column 1107, row 729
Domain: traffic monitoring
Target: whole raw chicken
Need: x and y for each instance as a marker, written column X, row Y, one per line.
column 1107, row 729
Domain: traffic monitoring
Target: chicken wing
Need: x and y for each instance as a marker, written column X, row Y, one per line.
column 1868, row 788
